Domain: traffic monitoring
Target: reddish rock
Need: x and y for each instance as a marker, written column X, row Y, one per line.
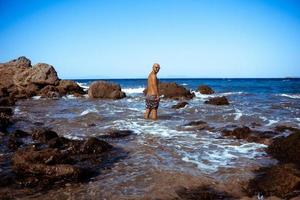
column 204, row 89
column 219, row 101
column 105, row 90
column 43, row 135
column 94, row 145
column 180, row 105
column 286, row 149
column 4, row 121
column 49, row 91
column 7, row 101
column 69, row 87
column 278, row 181
column 117, row 134
column 173, row 91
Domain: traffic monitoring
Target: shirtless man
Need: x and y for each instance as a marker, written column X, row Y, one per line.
column 152, row 97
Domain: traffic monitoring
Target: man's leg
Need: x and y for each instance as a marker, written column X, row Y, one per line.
column 153, row 114
column 146, row 115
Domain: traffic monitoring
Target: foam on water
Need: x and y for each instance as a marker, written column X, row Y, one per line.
column 90, row 110
column 36, row 97
column 83, row 85
column 69, row 96
column 238, row 114
column 293, row 96
column 271, row 121
column 138, row 90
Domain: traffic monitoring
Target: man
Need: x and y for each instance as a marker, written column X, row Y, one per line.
column 152, row 96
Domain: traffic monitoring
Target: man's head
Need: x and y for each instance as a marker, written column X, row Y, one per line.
column 156, row 68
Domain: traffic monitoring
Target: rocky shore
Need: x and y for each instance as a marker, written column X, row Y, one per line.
column 42, row 159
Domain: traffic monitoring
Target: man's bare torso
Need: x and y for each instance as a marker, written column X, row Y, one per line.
column 152, row 85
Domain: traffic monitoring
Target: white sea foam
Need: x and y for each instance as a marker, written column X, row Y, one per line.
column 83, row 85
column 298, row 119
column 69, row 96
column 90, row 110
column 36, row 97
column 137, row 90
column 271, row 121
column 238, row 114
column 293, row 96
column 184, row 84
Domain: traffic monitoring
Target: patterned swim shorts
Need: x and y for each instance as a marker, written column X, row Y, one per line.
column 152, row 102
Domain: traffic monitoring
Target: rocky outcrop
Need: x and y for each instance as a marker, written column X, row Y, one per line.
column 204, row 89
column 218, row 101
column 18, row 79
column 279, row 180
column 180, row 105
column 286, row 149
column 105, row 90
column 173, row 91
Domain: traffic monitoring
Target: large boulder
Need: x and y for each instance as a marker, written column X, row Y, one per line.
column 180, row 105
column 105, row 90
column 218, row 101
column 49, row 91
column 204, row 89
column 69, row 87
column 173, row 91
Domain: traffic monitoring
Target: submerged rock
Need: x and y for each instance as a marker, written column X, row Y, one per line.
column 173, row 91
column 117, row 134
column 203, row 192
column 43, row 135
column 278, row 181
column 180, row 105
column 49, row 91
column 94, row 145
column 204, row 89
column 105, row 90
column 219, row 101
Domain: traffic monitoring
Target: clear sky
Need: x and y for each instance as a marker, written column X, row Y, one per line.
column 123, row 38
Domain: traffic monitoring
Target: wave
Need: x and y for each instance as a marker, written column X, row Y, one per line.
column 90, row 110
column 293, row 96
column 205, row 96
column 36, row 97
column 137, row 90
column 83, row 85
column 238, row 114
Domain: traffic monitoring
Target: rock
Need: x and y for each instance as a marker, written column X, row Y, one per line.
column 202, row 192
column 7, row 101
column 249, row 135
column 43, row 135
column 117, row 134
column 20, row 62
column 94, row 146
column 204, row 89
column 219, row 101
column 19, row 134
column 279, row 181
column 286, row 149
column 47, row 162
column 49, row 91
column 4, row 121
column 6, row 110
column 3, row 92
column 282, row 128
column 69, row 87
column 196, row 125
column 173, row 91
column 106, row 90
column 14, row 143
column 180, row 105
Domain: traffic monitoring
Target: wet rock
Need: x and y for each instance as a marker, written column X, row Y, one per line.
column 203, row 192
column 14, row 143
column 219, row 101
column 105, row 90
column 6, row 110
column 249, row 135
column 43, row 135
column 180, row 105
column 4, row 121
column 69, row 87
column 278, row 181
column 204, row 89
column 197, row 125
column 94, row 146
column 7, row 101
column 286, row 149
column 173, row 91
column 49, row 92
column 19, row 134
column 282, row 128
column 117, row 134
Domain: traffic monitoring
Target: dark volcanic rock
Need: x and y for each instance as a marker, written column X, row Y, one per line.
column 6, row 110
column 204, row 89
column 4, row 121
column 286, row 149
column 203, row 192
column 180, row 105
column 105, row 90
column 219, row 101
column 7, row 101
column 69, row 87
column 117, row 134
column 173, row 91
column 43, row 135
column 278, row 181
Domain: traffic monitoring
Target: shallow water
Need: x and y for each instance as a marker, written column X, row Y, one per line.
column 162, row 155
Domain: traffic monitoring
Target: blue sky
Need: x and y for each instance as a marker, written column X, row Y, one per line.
column 122, row 38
